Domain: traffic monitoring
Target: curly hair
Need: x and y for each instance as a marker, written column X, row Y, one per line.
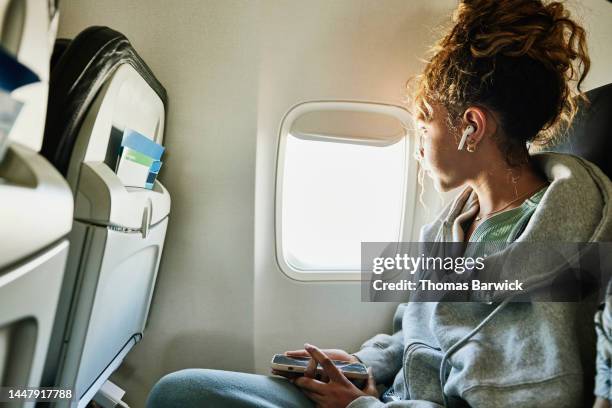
column 522, row 59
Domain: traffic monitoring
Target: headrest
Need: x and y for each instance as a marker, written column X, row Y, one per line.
column 79, row 70
column 60, row 46
column 590, row 135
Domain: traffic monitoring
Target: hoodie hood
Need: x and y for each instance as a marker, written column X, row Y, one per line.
column 574, row 209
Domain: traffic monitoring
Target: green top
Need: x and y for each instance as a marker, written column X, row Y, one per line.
column 506, row 226
column 496, row 232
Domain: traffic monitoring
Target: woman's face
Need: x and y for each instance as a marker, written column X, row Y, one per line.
column 448, row 167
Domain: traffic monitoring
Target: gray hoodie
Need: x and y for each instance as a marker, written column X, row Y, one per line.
column 501, row 353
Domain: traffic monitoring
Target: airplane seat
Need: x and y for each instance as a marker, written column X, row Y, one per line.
column 101, row 90
column 34, row 244
column 58, row 49
column 589, row 135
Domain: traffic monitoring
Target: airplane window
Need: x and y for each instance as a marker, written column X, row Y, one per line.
column 335, row 191
column 336, row 195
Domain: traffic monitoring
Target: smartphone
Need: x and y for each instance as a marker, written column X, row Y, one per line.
column 352, row 371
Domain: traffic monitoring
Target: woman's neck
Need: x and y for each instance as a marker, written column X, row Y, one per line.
column 498, row 187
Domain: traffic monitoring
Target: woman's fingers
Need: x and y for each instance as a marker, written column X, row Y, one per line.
column 297, row 353
column 311, row 369
column 310, row 384
column 285, row 374
column 328, row 366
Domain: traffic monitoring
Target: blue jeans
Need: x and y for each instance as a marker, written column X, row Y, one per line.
column 198, row 387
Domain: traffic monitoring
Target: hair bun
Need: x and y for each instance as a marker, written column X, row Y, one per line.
column 518, row 57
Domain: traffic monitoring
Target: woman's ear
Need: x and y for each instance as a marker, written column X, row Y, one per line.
column 477, row 117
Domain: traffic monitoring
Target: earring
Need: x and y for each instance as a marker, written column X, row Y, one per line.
column 471, row 147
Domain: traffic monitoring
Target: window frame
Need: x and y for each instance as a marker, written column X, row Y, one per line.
column 410, row 180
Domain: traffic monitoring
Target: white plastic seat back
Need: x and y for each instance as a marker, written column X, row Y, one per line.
column 118, row 231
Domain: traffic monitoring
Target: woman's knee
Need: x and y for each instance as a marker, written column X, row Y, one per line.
column 198, row 387
column 185, row 388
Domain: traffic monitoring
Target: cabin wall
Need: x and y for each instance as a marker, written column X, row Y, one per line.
column 232, row 68
column 597, row 17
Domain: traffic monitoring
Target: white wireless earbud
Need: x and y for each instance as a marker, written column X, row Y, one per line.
column 468, row 131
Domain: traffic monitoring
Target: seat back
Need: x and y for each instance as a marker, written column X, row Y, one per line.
column 99, row 88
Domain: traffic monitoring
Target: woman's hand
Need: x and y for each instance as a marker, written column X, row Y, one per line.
column 338, row 392
column 333, row 354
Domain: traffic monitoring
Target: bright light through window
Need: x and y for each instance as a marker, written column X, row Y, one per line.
column 336, row 195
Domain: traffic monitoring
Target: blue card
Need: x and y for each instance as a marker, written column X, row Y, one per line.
column 142, row 144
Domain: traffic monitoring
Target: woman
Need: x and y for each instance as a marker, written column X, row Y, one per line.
column 506, row 75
